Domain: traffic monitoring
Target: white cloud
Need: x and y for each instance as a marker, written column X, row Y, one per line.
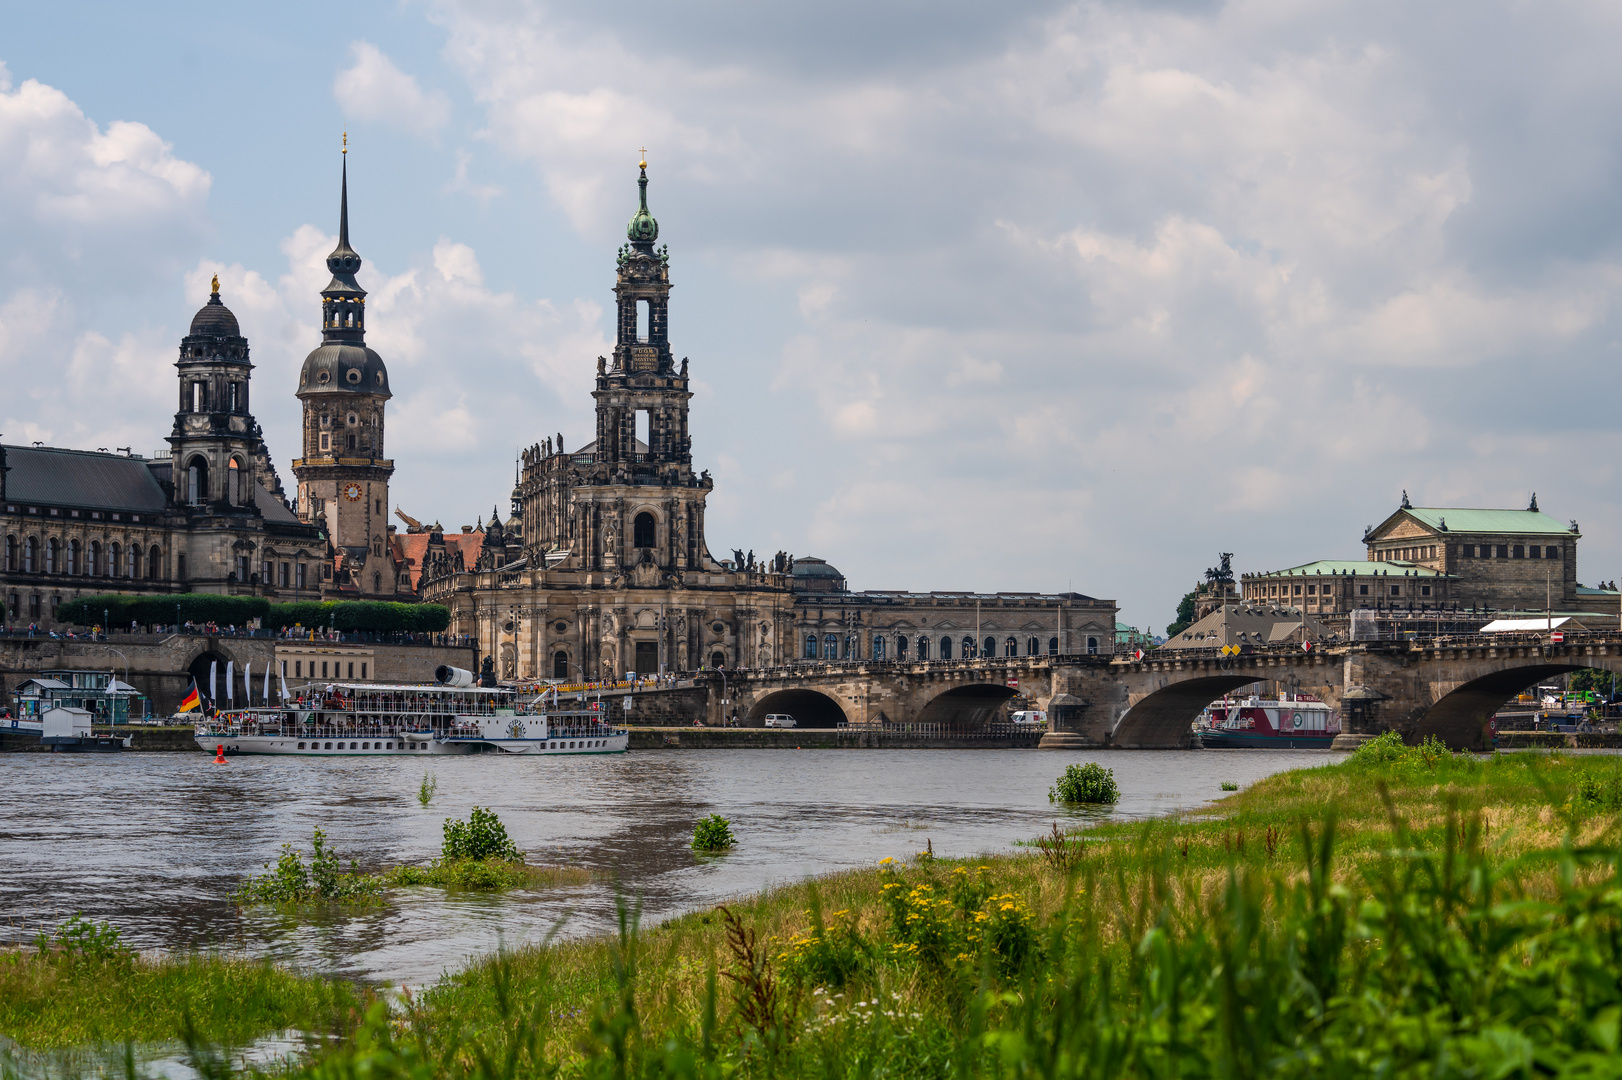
column 373, row 88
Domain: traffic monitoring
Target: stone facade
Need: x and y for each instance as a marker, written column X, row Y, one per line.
column 602, row 567
column 1443, row 559
column 209, row 518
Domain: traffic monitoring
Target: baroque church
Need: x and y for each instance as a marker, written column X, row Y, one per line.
column 211, row 515
column 602, row 566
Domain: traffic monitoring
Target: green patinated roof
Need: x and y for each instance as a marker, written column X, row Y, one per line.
column 643, row 229
column 1353, row 566
column 1487, row 521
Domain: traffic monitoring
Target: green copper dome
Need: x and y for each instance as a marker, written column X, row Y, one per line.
column 643, row 229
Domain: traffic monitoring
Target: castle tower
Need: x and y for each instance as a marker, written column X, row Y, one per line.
column 215, row 444
column 343, row 477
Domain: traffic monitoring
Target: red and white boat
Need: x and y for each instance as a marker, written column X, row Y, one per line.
column 1283, row 724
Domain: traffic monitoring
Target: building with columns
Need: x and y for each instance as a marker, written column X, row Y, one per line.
column 602, row 566
column 210, row 516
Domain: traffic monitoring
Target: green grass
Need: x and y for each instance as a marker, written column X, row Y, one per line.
column 1411, row 914
column 49, row 1001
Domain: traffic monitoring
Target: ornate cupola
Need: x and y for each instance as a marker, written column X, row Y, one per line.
column 215, row 442
column 342, row 474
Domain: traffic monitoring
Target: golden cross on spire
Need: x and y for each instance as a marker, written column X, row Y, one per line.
column 346, row 142
column 644, row 157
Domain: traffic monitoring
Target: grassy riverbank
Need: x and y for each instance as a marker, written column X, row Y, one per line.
column 50, row 999
column 1436, row 915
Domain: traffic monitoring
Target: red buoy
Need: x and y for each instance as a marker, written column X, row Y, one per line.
column 219, row 755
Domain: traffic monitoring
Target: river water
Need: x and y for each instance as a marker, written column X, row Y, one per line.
column 155, row 843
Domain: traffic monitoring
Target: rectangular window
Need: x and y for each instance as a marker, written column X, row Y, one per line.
column 1396, row 590
column 180, row 567
column 282, row 576
column 363, row 670
column 1535, row 551
column 1503, row 551
column 1362, row 590
column 1312, row 590
column 1554, row 552
column 33, row 605
column 283, row 669
column 1298, row 590
column 642, row 435
column 196, row 397
column 323, row 668
column 14, row 604
column 300, row 578
column 326, row 441
column 298, row 669
column 351, row 670
column 642, row 320
column 1518, row 552
column 1424, row 590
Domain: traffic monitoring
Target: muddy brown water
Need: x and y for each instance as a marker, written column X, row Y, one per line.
column 156, row 843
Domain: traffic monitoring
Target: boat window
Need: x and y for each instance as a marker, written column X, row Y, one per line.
column 301, row 746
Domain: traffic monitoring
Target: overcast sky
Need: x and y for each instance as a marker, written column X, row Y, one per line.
column 976, row 295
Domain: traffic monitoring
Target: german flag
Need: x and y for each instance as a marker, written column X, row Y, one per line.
column 193, row 700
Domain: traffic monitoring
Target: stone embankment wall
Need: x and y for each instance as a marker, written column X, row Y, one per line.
column 756, row 738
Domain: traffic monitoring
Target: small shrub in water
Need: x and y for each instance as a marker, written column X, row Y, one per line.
column 425, row 791
column 291, row 882
column 713, row 833
column 1229, row 785
column 80, row 939
column 482, row 836
column 1089, row 783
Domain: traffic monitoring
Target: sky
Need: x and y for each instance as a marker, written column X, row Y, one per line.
column 1028, row 295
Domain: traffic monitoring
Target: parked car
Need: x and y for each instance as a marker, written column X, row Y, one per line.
column 779, row 720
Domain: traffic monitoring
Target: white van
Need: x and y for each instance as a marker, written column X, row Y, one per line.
column 779, row 720
column 1030, row 716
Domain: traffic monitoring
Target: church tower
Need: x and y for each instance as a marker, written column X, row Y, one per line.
column 343, row 477
column 215, row 444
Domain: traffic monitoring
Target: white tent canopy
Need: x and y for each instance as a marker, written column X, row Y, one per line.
column 1532, row 626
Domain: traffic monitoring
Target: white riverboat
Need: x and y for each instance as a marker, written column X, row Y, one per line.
column 366, row 719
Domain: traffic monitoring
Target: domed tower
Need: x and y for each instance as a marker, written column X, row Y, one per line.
column 343, row 477
column 215, row 442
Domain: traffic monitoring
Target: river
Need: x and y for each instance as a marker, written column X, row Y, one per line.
column 155, row 843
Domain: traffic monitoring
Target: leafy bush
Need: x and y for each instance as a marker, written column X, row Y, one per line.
column 1387, row 748
column 291, row 882
column 713, row 833
column 367, row 615
column 1089, row 783
column 474, row 875
column 79, row 939
column 1229, row 785
column 482, row 836
column 1604, row 792
column 826, row 955
column 425, row 791
column 121, row 609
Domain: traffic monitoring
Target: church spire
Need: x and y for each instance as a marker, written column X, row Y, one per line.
column 343, row 301
column 643, row 229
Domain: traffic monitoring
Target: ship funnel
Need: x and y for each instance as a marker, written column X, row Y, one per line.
column 453, row 676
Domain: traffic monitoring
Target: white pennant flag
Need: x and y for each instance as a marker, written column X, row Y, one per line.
column 213, row 670
column 268, row 666
column 230, row 680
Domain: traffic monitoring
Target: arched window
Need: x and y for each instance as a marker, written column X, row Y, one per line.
column 73, row 557
column 946, row 648
column 901, row 647
column 114, row 553
column 968, row 648
column 233, row 483
column 92, row 565
column 642, row 530
column 135, row 561
column 377, row 546
column 1010, row 647
column 1092, row 645
column 923, row 648
column 560, row 665
column 878, row 646
column 154, row 563
column 52, row 549
column 1033, row 647
column 991, row 649
column 810, row 647
column 1053, row 646
column 197, row 482
column 28, row 555
column 718, row 659
column 11, row 552
column 377, row 581
column 830, row 647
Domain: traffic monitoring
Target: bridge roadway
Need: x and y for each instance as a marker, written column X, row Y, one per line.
column 1447, row 686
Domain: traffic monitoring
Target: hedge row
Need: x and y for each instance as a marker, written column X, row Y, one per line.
column 118, row 609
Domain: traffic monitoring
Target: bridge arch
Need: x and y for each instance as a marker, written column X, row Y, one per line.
column 1459, row 717
column 810, row 708
column 1162, row 718
column 199, row 667
column 971, row 705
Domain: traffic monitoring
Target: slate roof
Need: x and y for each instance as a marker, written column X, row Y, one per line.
column 1247, row 624
column 271, row 508
column 83, row 479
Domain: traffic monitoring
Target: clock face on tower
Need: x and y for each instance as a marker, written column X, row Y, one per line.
column 352, row 492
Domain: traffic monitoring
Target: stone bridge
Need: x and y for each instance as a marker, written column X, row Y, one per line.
column 1448, row 687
